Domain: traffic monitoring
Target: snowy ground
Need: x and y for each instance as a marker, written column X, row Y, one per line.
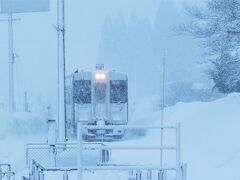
column 210, row 144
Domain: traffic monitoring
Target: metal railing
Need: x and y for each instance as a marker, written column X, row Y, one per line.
column 6, row 172
column 178, row 168
column 36, row 171
column 60, row 150
column 25, row 178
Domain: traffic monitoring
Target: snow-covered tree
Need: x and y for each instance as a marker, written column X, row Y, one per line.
column 226, row 74
column 217, row 24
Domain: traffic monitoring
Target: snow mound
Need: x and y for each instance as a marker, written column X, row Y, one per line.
column 145, row 111
column 210, row 132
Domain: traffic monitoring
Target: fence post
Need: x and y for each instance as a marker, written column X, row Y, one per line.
column 31, row 170
column 79, row 135
column 131, row 174
column 36, row 176
column 52, row 156
column 51, row 129
column 139, row 175
column 65, row 175
column 149, row 175
column 51, row 137
column 178, row 151
column 26, row 155
column 0, row 173
column 8, row 172
column 184, row 171
column 41, row 175
column 161, row 175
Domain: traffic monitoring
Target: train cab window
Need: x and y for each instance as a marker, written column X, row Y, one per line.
column 118, row 91
column 100, row 91
column 82, row 91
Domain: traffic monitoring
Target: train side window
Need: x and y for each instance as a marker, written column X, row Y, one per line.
column 82, row 91
column 118, row 91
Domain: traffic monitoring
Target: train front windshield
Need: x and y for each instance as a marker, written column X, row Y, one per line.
column 100, row 92
column 100, row 100
column 82, row 92
column 118, row 91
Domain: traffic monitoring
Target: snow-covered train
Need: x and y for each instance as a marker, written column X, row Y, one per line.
column 96, row 98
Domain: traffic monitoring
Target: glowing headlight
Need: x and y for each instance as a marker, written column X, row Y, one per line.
column 100, row 76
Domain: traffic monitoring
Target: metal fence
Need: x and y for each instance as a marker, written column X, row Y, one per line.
column 37, row 171
column 64, row 154
column 67, row 157
column 180, row 171
column 6, row 172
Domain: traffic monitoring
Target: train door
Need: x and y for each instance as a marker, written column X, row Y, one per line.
column 100, row 96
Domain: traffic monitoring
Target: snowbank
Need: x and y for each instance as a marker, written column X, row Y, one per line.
column 21, row 123
column 145, row 110
column 17, row 129
column 210, row 134
column 210, row 131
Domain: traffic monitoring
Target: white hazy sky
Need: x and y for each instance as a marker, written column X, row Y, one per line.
column 35, row 40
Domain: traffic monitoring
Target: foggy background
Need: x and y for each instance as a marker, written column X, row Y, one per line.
column 128, row 36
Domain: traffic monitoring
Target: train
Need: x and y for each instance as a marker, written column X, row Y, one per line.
column 96, row 98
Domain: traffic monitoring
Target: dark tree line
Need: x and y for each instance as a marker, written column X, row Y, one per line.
column 135, row 45
column 125, row 46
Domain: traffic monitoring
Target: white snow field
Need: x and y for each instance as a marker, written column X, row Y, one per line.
column 210, row 143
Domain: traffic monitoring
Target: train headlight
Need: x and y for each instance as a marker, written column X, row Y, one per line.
column 100, row 76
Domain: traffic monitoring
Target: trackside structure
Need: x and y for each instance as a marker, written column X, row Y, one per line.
column 71, row 157
column 179, row 168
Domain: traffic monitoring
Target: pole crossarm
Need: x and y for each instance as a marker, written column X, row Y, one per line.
column 14, row 19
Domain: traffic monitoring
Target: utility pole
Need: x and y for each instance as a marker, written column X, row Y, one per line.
column 26, row 107
column 61, row 69
column 163, row 105
column 9, row 8
column 11, row 63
